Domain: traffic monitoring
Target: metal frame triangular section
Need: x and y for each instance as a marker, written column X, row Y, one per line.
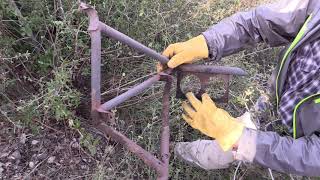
column 98, row 110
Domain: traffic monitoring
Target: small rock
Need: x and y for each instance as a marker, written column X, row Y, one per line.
column 31, row 164
column 15, row 155
column 84, row 167
column 51, row 159
column 77, row 161
column 42, row 155
column 75, row 144
column 23, row 138
column 34, row 142
column 110, row 169
column 1, row 170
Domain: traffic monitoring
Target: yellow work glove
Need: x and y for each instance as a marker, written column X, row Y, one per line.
column 187, row 52
column 212, row 121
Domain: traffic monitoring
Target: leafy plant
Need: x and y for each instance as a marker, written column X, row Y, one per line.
column 52, row 82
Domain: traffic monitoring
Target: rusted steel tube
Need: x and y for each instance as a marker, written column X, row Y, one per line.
column 165, row 132
column 212, row 69
column 114, row 34
column 95, row 69
column 144, row 155
column 130, row 93
column 95, row 35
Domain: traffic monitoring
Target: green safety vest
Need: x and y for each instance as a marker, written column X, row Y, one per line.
column 307, row 111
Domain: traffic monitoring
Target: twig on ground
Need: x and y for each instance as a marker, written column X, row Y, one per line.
column 291, row 177
column 270, row 172
column 236, row 171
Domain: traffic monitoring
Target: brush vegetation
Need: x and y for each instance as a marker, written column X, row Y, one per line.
column 45, row 75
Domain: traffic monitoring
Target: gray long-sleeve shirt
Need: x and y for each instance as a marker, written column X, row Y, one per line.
column 275, row 24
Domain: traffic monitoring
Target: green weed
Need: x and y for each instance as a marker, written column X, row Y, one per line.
column 53, row 81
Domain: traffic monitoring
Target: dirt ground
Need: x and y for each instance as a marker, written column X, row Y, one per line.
column 42, row 147
column 54, row 153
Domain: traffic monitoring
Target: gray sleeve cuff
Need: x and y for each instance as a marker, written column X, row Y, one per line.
column 247, row 146
column 213, row 49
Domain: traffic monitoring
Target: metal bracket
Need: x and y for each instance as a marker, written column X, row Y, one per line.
column 204, row 83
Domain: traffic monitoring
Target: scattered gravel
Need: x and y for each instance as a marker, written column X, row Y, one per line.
column 45, row 155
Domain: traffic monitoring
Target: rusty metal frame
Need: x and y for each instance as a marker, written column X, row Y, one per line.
column 98, row 110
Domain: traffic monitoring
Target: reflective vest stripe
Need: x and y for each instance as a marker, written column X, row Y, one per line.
column 286, row 55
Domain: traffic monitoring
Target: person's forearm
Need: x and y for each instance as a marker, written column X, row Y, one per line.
column 270, row 23
column 283, row 154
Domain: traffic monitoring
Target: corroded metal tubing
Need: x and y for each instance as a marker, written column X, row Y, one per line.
column 148, row 83
column 114, row 34
column 95, row 35
column 95, row 69
column 165, row 132
column 212, row 69
column 144, row 155
column 130, row 93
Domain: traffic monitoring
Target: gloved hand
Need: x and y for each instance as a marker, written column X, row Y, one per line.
column 187, row 52
column 207, row 154
column 212, row 121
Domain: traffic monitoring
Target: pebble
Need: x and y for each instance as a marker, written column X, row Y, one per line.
column 75, row 144
column 34, row 142
column 15, row 155
column 31, row 164
column 84, row 167
column 42, row 155
column 23, row 138
column 51, row 159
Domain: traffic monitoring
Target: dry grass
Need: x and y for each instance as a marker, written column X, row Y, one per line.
column 156, row 24
column 141, row 121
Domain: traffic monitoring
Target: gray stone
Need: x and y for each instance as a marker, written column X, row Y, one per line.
column 31, row 164
column 23, row 138
column 34, row 142
column 51, row 159
column 15, row 155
